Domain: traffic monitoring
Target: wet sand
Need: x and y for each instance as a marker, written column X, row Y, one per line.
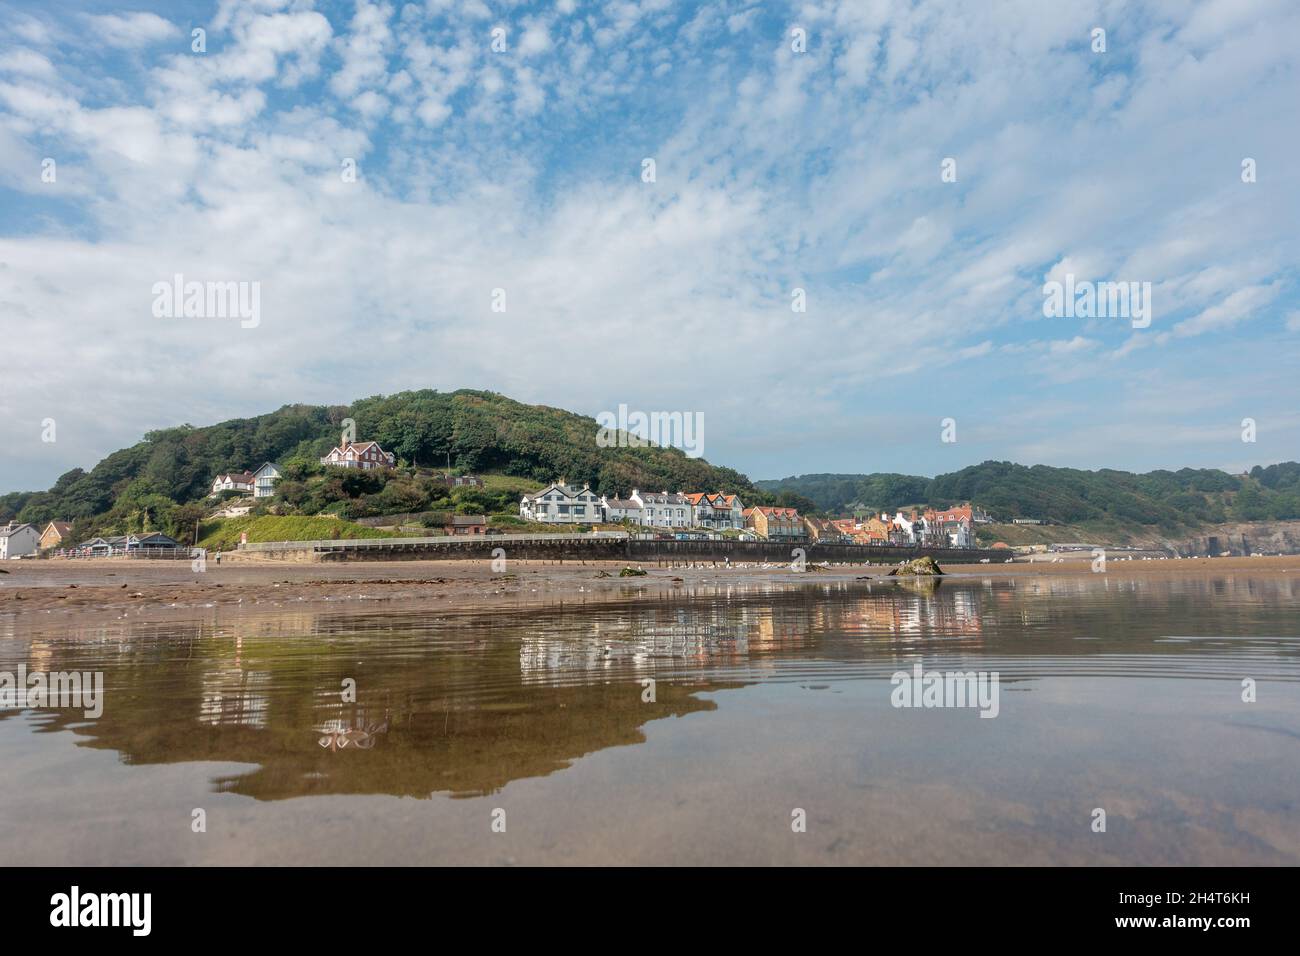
column 1120, row 691
column 57, row 592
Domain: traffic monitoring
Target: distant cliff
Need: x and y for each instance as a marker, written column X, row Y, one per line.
column 1245, row 537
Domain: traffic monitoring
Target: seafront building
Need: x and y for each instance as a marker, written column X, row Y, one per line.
column 17, row 540
column 775, row 523
column 712, row 512
column 562, row 503
column 664, row 510
column 716, row 511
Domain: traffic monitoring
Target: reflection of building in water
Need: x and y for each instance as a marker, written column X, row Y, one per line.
column 631, row 646
column 712, row 634
column 39, row 656
column 939, row 612
column 233, row 696
column 778, row 628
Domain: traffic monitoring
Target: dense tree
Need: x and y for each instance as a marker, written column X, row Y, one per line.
column 1166, row 499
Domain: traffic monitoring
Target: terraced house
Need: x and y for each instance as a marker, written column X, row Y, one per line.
column 622, row 509
column 716, row 511
column 776, row 523
column 561, row 503
column 664, row 510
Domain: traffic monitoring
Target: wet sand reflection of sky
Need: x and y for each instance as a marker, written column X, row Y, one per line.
column 1101, row 679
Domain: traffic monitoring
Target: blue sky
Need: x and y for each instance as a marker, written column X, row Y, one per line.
column 775, row 169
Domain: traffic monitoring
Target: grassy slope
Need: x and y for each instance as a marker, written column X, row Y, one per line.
column 223, row 533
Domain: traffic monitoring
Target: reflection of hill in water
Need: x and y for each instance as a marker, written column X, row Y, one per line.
column 464, row 704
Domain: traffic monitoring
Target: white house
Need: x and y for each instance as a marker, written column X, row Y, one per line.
column 622, row 509
column 908, row 531
column 264, row 480
column 241, row 482
column 561, row 503
column 664, row 510
column 960, row 534
column 366, row 455
column 18, row 539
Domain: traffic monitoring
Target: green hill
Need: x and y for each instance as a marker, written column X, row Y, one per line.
column 160, row 482
column 1165, row 500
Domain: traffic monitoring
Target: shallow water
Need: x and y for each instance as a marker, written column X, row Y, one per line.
column 1120, row 695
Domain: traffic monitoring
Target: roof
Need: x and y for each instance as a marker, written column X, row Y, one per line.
column 664, row 497
column 62, row 527
column 625, row 503
column 120, row 540
column 569, row 491
column 361, row 447
column 13, row 529
column 468, row 519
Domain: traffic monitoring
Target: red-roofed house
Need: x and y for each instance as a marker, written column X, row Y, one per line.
column 366, row 455
column 716, row 510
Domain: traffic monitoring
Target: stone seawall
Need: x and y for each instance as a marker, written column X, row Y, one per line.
column 582, row 548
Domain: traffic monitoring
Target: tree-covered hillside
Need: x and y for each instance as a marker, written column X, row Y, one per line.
column 1164, row 499
column 160, row 482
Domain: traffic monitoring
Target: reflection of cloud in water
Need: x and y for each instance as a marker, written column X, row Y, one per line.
column 482, row 699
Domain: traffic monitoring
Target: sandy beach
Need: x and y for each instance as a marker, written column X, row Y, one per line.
column 49, row 592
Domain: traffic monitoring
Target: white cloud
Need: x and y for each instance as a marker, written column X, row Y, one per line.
column 1234, row 309
column 27, row 63
column 131, row 30
column 363, row 49
column 521, row 171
